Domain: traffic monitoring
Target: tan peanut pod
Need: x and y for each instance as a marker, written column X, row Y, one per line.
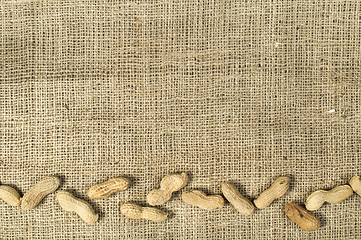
column 335, row 195
column 135, row 211
column 240, row 203
column 34, row 196
column 169, row 184
column 201, row 200
column 355, row 183
column 103, row 190
column 278, row 188
column 9, row 195
column 73, row 204
column 302, row 217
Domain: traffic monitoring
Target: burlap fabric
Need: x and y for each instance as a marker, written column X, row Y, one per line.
column 243, row 91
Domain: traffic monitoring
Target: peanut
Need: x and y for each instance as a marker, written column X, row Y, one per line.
column 34, row 196
column 169, row 184
column 72, row 204
column 335, row 195
column 240, row 203
column 201, row 200
column 135, row 211
column 103, row 190
column 355, row 183
column 278, row 188
column 302, row 217
column 9, row 195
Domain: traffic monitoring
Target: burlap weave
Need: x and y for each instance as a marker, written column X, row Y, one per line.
column 241, row 90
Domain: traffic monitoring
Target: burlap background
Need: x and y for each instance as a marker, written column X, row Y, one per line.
column 225, row 90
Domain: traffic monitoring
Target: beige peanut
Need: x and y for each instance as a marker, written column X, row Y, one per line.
column 9, row 195
column 103, row 190
column 278, row 188
column 335, row 195
column 169, row 184
column 135, row 211
column 355, row 183
column 240, row 203
column 34, row 196
column 73, row 204
column 302, row 217
column 201, row 200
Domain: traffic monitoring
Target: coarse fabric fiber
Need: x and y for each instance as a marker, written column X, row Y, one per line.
column 228, row 90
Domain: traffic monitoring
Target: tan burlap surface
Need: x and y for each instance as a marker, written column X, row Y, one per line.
column 243, row 91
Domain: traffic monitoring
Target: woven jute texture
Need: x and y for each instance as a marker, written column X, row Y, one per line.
column 240, row 91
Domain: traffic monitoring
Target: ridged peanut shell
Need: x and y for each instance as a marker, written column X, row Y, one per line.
column 9, row 195
column 169, row 184
column 278, row 188
column 202, row 200
column 302, row 217
column 355, row 183
column 103, row 190
column 135, row 211
column 240, row 203
column 70, row 203
column 335, row 195
column 34, row 196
